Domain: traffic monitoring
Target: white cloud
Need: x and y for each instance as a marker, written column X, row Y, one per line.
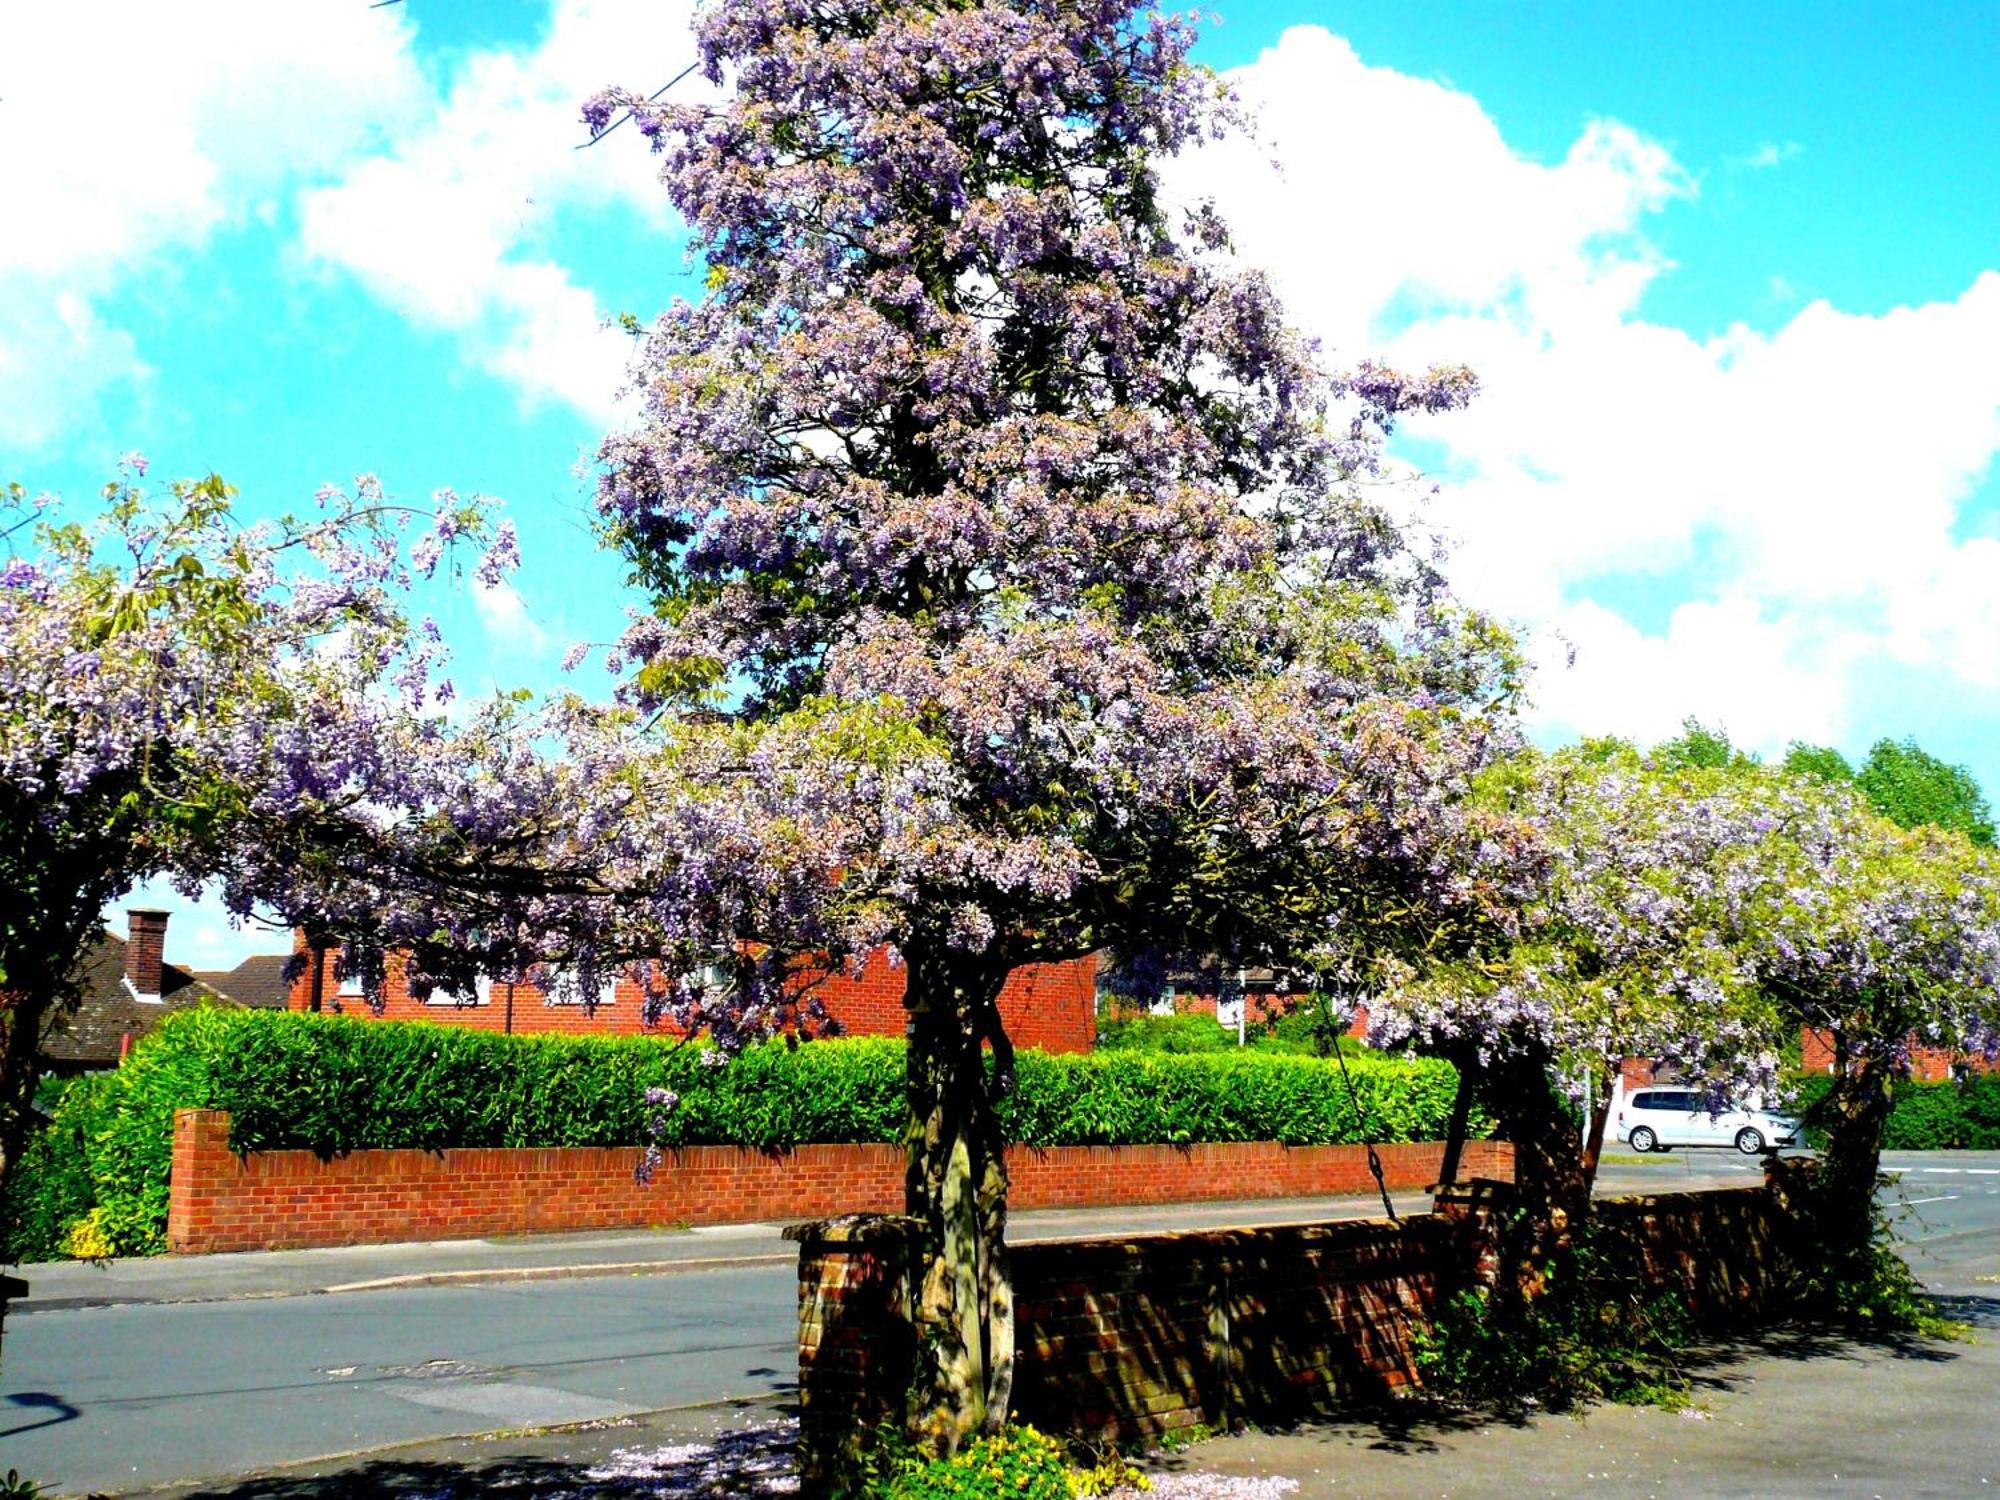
column 1802, row 486
column 131, row 130
column 1770, row 154
column 56, row 355
column 503, row 613
column 449, row 227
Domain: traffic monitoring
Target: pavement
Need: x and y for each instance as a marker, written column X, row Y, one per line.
column 661, row 1365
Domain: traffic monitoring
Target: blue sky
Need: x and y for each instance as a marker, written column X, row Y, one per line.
column 1731, row 277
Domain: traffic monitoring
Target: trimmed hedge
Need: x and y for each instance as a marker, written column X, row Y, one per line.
column 333, row 1085
column 1948, row 1116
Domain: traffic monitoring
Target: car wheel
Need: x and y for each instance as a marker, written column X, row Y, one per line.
column 1643, row 1140
column 1749, row 1141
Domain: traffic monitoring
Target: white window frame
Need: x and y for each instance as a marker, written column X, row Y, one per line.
column 482, row 994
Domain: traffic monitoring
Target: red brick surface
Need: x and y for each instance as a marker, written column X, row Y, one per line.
column 1927, row 1064
column 294, row 1199
column 1050, row 1006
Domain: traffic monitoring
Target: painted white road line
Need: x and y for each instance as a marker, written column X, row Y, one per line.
column 1941, row 1198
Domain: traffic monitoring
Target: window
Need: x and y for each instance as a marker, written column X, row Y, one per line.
column 566, row 988
column 1229, row 1012
column 1666, row 1099
column 482, row 994
column 350, row 986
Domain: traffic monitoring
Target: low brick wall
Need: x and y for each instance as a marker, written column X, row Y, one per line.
column 1722, row 1251
column 294, row 1199
column 1132, row 1337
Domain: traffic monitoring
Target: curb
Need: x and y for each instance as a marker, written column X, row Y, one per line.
column 554, row 1273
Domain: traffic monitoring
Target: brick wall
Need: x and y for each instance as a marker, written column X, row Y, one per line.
column 1719, row 1250
column 1050, row 1006
column 1125, row 1339
column 1927, row 1064
column 294, row 1199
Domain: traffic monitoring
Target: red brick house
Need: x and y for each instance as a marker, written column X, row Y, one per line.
column 1817, row 1054
column 128, row 988
column 1256, row 996
column 1050, row 1006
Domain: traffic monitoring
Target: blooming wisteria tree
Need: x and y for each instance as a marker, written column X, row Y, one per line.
column 1036, row 562
column 185, row 695
column 1698, row 913
column 1884, row 939
column 1631, row 943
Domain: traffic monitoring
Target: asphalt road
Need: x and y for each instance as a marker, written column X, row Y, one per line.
column 136, row 1394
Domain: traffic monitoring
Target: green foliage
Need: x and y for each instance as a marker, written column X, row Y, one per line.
column 1019, row 1462
column 1312, row 1030
column 1303, row 1032
column 1133, row 1098
column 1699, row 749
column 1948, row 1116
column 1193, row 1033
column 1823, row 761
column 1912, row 787
column 51, row 1189
column 1593, row 1332
column 14, row 1487
column 332, row 1085
column 1874, row 1292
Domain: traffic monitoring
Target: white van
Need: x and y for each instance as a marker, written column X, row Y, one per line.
column 1655, row 1119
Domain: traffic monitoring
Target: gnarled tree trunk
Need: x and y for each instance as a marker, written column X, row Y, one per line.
column 956, row 1188
column 1552, row 1189
column 1856, row 1110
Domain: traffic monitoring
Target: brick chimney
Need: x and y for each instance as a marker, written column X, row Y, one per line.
column 145, row 950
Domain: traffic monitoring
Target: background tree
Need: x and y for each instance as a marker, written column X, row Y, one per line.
column 1911, row 788
column 1906, row 784
column 1031, row 554
column 1822, row 761
column 1699, row 748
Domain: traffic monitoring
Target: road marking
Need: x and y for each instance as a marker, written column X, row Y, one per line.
column 1941, row 1198
column 1945, row 1170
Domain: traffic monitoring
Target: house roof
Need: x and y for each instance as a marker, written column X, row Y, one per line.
column 95, row 1033
column 258, row 982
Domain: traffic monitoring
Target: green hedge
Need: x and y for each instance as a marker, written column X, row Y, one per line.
column 1946, row 1116
column 334, row 1085
column 1294, row 1033
column 53, row 1188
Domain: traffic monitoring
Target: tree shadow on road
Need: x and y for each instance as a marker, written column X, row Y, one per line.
column 1712, row 1361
